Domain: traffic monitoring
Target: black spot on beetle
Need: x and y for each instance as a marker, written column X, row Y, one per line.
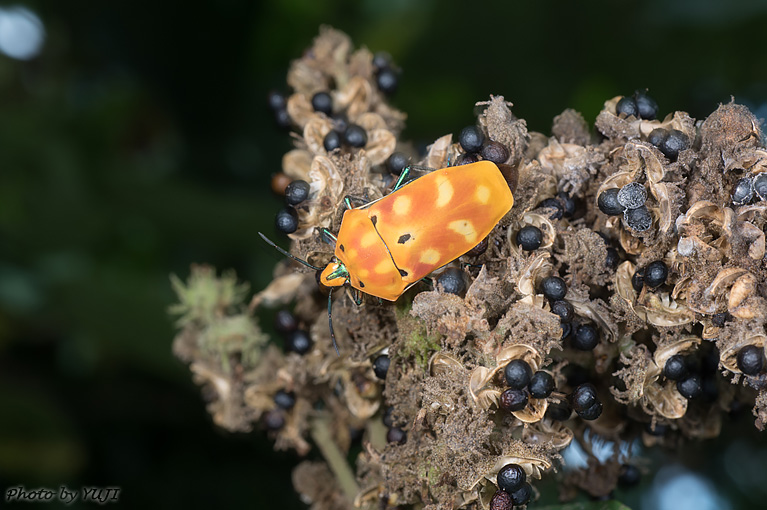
column 341, row 247
column 403, row 272
column 374, row 219
column 403, row 239
column 362, row 285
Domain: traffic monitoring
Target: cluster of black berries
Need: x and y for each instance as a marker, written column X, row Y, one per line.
column 523, row 383
column 652, row 276
column 287, row 217
column 613, row 258
column 274, row 419
column 748, row 187
column 278, row 104
column 629, row 201
column 387, row 76
column 343, row 133
column 687, row 383
column 296, row 340
column 513, row 488
column 669, row 141
column 695, row 374
column 639, row 105
column 475, row 146
column 394, row 434
column 585, row 401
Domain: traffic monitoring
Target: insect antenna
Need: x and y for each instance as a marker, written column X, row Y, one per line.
column 270, row 243
column 330, row 321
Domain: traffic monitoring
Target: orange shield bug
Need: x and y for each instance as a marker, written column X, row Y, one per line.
column 385, row 246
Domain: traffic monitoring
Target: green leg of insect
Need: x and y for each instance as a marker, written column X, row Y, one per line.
column 348, row 202
column 427, row 281
column 357, row 297
column 404, row 177
column 328, row 237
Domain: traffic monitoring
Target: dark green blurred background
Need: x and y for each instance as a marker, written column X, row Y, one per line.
column 138, row 142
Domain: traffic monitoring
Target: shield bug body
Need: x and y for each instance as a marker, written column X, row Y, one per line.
column 385, row 246
column 388, row 245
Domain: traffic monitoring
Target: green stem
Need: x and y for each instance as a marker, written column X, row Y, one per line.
column 320, row 430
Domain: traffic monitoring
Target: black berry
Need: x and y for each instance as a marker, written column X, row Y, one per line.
column 751, row 359
column 720, row 319
column 567, row 328
column 529, row 238
column 285, row 399
column 592, row 413
column 637, row 281
column 558, row 412
column 511, row 477
column 332, row 141
column 274, row 419
column 501, row 500
column 387, row 81
column 300, row 342
column 452, row 281
column 690, row 386
column 638, row 219
column 388, row 417
column 355, row 136
column 381, row 366
column 646, row 106
column 381, row 60
column 286, row 220
column 612, row 258
column 518, row 374
column 541, row 384
column 673, row 144
column 557, row 209
column 396, row 435
column 743, row 192
column 276, row 100
column 495, row 152
column 282, row 118
column 479, row 249
column 629, row 475
column 522, row 495
column 467, row 159
column 657, row 136
column 655, row 274
column 397, row 162
column 675, row 367
column 297, row 192
column 554, row 288
column 513, row 400
column 586, row 337
column 608, row 202
column 568, row 203
column 760, row 186
column 322, row 102
column 285, row 322
column 583, row 397
column 564, row 309
column 632, row 195
column 627, row 106
column 471, row 139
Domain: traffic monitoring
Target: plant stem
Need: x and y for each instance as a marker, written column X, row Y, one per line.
column 320, row 430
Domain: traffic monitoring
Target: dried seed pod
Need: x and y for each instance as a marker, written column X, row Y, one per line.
column 729, row 355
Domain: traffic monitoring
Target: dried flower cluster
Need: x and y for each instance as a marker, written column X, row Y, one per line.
column 434, row 430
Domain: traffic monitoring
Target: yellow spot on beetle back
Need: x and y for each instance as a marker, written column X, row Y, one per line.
column 464, row 228
column 383, row 267
column 430, row 256
column 444, row 191
column 401, row 205
column 369, row 239
column 482, row 194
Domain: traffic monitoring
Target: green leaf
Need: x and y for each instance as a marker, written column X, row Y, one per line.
column 596, row 505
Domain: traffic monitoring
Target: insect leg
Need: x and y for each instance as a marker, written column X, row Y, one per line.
column 348, row 201
column 328, row 237
column 357, row 297
column 330, row 321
